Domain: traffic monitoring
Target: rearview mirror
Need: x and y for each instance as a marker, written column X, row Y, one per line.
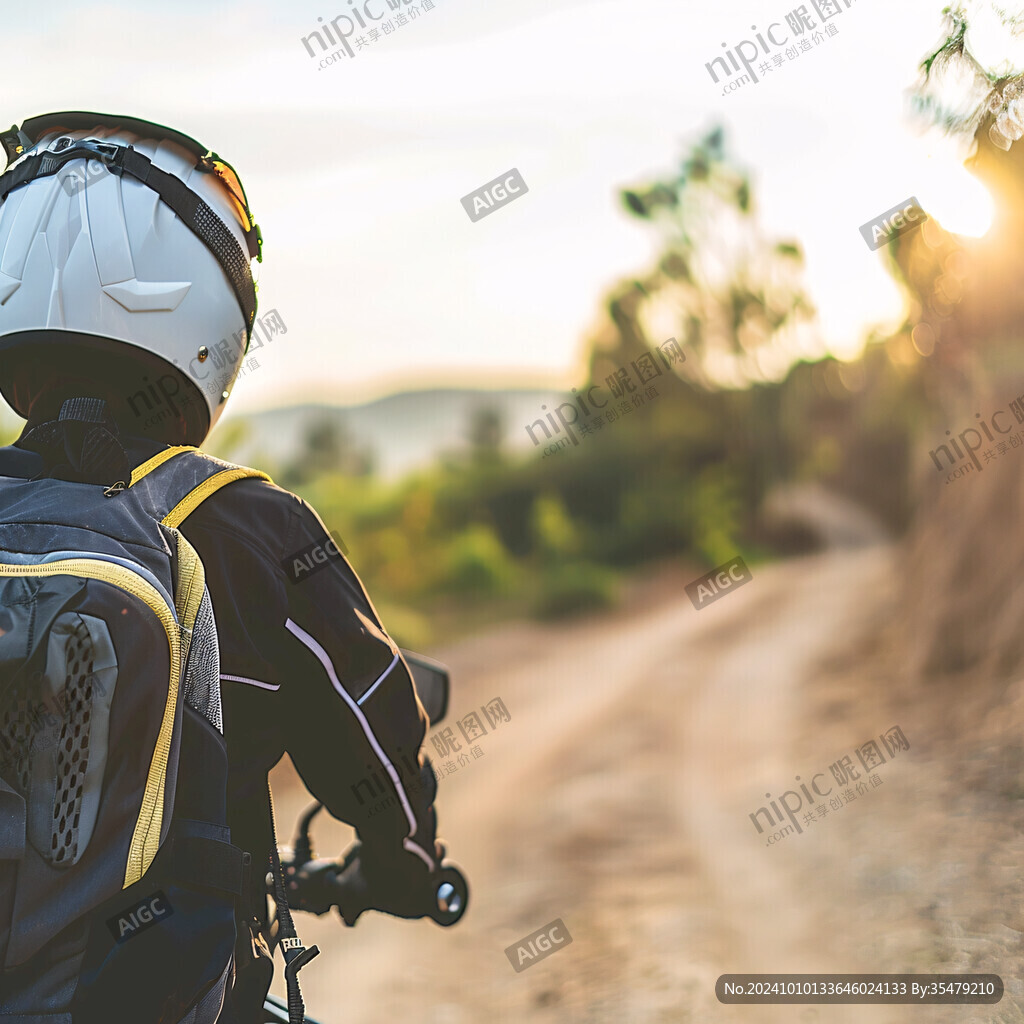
column 432, row 681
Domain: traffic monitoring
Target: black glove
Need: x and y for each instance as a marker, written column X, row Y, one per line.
column 401, row 888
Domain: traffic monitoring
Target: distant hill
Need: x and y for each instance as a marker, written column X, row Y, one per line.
column 403, row 431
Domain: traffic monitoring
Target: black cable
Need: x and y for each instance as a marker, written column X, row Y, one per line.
column 296, row 956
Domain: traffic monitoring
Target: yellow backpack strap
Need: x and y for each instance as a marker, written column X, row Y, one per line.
column 175, row 482
column 158, row 460
column 209, row 486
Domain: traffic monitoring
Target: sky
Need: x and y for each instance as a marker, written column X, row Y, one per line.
column 355, row 171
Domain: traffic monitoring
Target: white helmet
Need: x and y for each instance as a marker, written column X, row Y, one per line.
column 124, row 259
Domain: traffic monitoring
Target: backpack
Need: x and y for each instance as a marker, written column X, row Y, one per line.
column 119, row 884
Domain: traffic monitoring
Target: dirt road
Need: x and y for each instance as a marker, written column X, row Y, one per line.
column 618, row 798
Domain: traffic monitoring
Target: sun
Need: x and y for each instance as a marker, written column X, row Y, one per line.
column 956, row 199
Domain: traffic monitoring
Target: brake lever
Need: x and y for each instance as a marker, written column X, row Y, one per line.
column 302, row 844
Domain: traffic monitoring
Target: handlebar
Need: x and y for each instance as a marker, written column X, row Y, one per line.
column 317, row 885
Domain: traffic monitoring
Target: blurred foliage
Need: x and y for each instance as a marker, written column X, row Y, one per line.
column 327, row 448
column 974, row 78
column 486, row 533
column 961, row 604
column 574, row 587
column 730, row 293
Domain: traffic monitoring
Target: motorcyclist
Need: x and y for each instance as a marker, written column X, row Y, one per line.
column 108, row 287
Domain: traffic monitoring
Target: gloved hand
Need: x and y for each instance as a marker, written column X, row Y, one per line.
column 362, row 880
column 403, row 889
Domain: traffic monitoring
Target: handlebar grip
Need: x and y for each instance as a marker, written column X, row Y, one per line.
column 450, row 898
column 445, row 904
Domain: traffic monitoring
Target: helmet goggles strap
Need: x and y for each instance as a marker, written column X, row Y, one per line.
column 193, row 210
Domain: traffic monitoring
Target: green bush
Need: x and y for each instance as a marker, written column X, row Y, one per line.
column 407, row 627
column 572, row 588
column 477, row 564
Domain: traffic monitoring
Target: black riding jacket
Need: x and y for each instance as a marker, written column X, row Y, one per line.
column 307, row 669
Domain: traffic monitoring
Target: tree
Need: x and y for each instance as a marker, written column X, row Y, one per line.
column 485, row 435
column 732, row 295
column 327, row 447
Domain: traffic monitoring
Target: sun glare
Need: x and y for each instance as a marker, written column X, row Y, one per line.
column 956, row 199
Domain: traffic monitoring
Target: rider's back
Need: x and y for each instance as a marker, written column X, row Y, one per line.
column 126, row 251
column 114, row 774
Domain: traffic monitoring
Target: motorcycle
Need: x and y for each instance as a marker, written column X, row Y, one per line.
column 320, row 885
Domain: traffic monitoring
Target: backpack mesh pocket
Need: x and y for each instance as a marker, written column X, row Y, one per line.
column 202, row 675
column 68, row 759
column 72, row 747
